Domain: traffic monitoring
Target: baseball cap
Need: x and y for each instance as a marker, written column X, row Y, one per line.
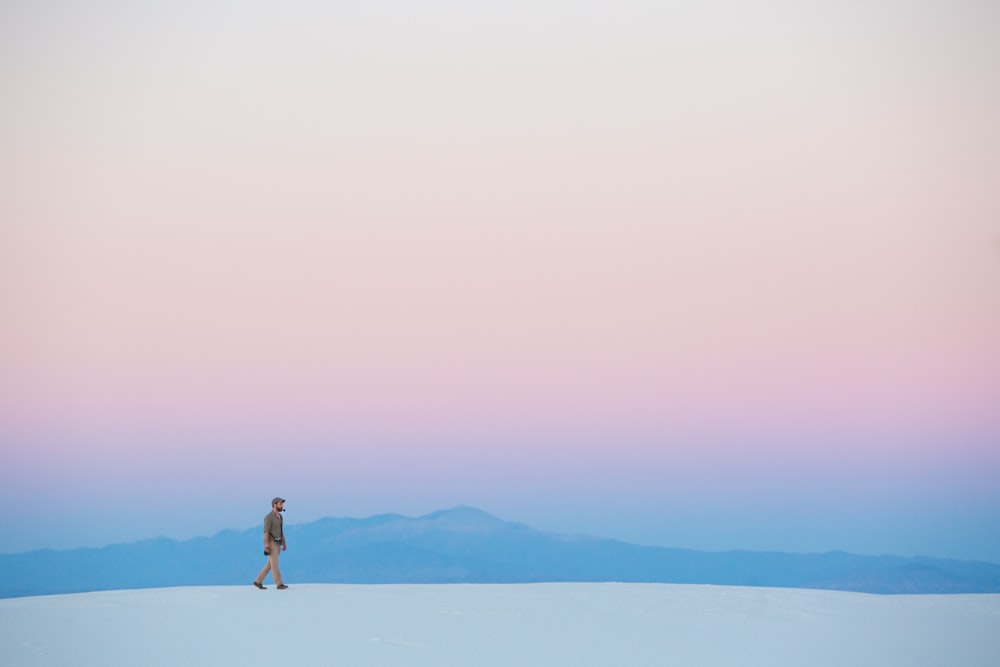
column 277, row 500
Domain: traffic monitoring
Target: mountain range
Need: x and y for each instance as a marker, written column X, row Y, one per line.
column 467, row 545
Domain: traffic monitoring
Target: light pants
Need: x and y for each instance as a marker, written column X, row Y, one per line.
column 272, row 565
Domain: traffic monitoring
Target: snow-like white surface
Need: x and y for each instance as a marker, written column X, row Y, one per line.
column 492, row 625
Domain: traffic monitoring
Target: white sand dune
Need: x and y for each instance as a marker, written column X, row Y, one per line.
column 540, row 624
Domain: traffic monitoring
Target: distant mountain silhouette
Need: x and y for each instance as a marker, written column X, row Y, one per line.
column 466, row 545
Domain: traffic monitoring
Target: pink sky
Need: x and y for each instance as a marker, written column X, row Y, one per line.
column 558, row 262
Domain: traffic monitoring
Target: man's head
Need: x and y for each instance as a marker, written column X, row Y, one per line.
column 278, row 504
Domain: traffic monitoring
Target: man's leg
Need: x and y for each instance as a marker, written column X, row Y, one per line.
column 263, row 573
column 272, row 562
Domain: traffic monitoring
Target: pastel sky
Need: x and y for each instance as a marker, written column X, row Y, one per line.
column 698, row 274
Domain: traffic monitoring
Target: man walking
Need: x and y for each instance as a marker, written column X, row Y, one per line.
column 274, row 543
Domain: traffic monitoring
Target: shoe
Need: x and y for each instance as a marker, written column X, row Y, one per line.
column 259, row 585
column 282, row 587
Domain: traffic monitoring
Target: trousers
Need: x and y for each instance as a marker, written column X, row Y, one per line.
column 272, row 565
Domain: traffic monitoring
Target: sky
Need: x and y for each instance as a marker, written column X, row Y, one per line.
column 715, row 275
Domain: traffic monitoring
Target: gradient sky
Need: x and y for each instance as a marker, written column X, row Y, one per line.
column 692, row 274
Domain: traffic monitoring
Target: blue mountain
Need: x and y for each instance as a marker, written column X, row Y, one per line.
column 466, row 545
